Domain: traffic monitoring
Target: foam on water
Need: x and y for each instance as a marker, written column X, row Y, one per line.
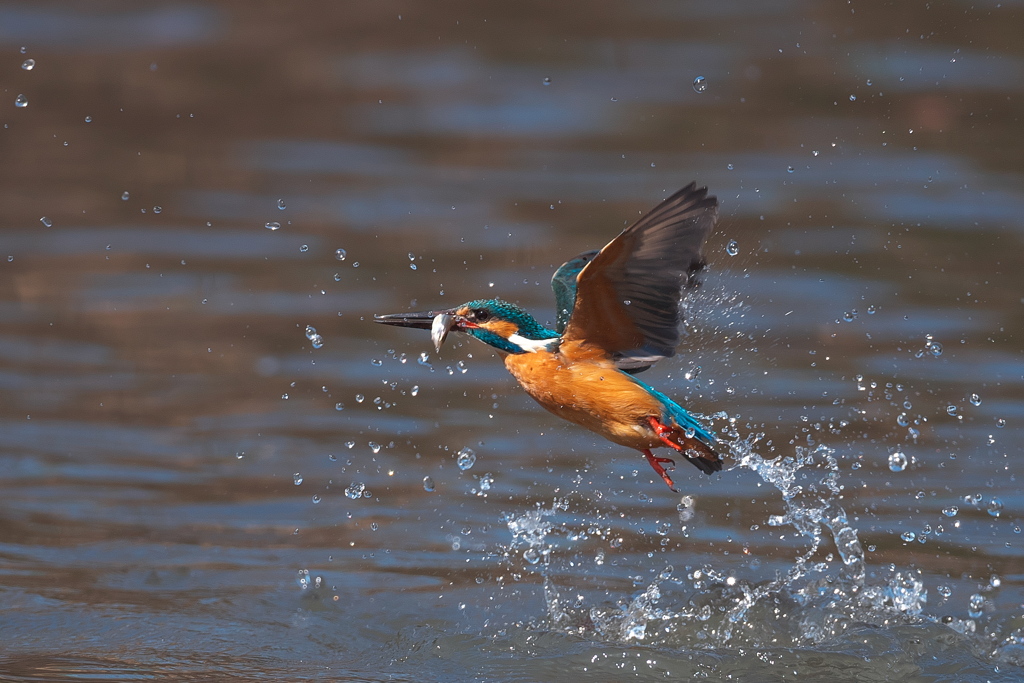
column 823, row 599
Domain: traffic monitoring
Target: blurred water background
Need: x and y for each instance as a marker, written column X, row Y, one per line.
column 215, row 467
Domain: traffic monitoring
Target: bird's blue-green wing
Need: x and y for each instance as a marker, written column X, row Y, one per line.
column 563, row 282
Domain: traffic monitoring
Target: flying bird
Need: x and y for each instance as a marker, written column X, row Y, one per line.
column 618, row 312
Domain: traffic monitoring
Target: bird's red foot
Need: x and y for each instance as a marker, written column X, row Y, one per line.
column 656, row 464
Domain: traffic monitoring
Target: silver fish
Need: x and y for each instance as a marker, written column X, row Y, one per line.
column 439, row 329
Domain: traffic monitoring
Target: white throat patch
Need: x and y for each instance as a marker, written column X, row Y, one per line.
column 534, row 345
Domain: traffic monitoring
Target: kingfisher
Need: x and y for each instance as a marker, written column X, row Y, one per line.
column 618, row 311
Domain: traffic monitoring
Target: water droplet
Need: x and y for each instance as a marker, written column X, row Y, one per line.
column 350, row 445
column 790, row 169
column 732, row 248
column 355, row 490
column 897, row 461
column 376, row 362
column 975, row 400
column 124, row 196
column 374, row 446
column 692, row 374
column 466, row 459
column 272, row 225
column 360, row 398
column 297, row 479
column 531, row 555
column 700, row 84
column 995, row 507
column 424, row 359
column 944, row 591
column 950, row 511
column 415, row 390
column 46, row 221
column 412, row 266
column 339, row 406
column 281, row 205
column 428, row 484
column 310, row 331
column 951, row 410
column 340, row 254
column 975, row 606
column 316, row 499
column 729, row 167
column 316, row 341
column 546, row 81
column 1000, row 422
column 853, row 98
column 871, row 310
column 935, row 348
column 88, row 119
column 28, row 64
column 850, row 316
column 304, row 248
column 157, row 209
column 908, row 536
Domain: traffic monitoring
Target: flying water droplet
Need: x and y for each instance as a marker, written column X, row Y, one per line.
column 374, row 446
column 20, row 101
column 995, row 507
column 1000, row 422
column 124, row 196
column 355, row 490
column 158, row 209
column 272, row 225
column 316, row 341
column 466, row 459
column 28, row 64
column 790, row 169
column 732, row 248
column 871, row 310
column 908, row 536
column 340, row 254
column 975, row 606
column 415, row 390
column 376, row 362
column 975, row 400
column 46, row 221
column 950, row 511
column 339, row 406
column 360, row 398
column 297, row 479
column 310, row 331
column 897, row 461
column 546, row 81
column 304, row 248
column 281, row 205
column 951, row 410
column 700, row 84
column 428, row 484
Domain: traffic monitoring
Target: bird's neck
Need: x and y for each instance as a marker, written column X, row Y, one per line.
column 530, row 337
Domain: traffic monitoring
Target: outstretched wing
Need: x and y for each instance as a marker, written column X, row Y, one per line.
column 563, row 282
column 627, row 298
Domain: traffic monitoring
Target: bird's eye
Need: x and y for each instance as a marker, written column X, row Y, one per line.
column 481, row 314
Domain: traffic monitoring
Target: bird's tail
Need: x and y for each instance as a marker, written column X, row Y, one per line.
column 695, row 442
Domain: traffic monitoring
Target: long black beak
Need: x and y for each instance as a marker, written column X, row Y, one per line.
column 421, row 321
column 440, row 323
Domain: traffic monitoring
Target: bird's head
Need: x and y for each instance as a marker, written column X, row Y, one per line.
column 498, row 323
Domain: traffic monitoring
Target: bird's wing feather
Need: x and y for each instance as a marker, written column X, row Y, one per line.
column 563, row 282
column 627, row 297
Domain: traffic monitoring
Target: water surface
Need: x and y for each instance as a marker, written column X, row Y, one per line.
column 192, row 490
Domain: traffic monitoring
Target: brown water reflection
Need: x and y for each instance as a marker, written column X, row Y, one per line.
column 175, row 451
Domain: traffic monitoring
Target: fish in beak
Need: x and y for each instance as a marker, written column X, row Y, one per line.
column 440, row 323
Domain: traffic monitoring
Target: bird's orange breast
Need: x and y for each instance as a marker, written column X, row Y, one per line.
column 581, row 385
